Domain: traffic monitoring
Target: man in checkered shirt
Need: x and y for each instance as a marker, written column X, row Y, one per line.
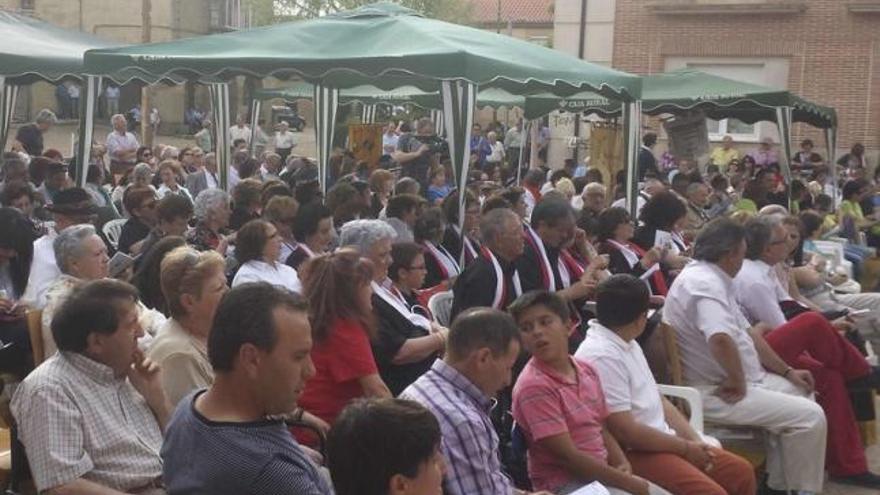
column 91, row 416
column 482, row 347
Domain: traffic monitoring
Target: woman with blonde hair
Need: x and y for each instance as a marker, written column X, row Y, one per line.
column 193, row 283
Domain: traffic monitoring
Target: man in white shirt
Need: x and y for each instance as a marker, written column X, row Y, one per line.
column 261, row 139
column 661, row 445
column 389, row 139
column 285, row 141
column 73, row 93
column 741, row 379
column 72, row 206
column 513, row 142
column 240, row 131
column 121, row 146
column 809, row 341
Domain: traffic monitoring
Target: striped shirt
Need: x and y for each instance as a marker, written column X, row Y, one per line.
column 219, row 458
column 546, row 404
column 469, row 441
column 77, row 419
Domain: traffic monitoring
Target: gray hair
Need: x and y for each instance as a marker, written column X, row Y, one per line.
column 773, row 210
column 759, row 234
column 718, row 238
column 68, row 246
column 142, row 171
column 407, row 185
column 210, row 157
column 363, row 234
column 207, row 201
column 493, row 222
column 116, row 117
column 46, row 116
column 170, row 153
column 694, row 187
column 594, row 188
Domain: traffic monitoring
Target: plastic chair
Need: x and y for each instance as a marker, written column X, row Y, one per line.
column 112, row 230
column 440, row 305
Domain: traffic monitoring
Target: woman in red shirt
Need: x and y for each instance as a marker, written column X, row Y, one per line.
column 337, row 287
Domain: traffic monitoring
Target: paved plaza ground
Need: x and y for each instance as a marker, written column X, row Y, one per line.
column 59, row 137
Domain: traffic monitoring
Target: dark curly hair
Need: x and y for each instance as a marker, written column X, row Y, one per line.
column 608, row 221
column 662, row 211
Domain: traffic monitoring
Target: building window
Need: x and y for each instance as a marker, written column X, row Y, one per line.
column 740, row 131
column 28, row 4
column 765, row 71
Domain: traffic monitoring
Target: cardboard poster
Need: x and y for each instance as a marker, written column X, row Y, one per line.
column 688, row 136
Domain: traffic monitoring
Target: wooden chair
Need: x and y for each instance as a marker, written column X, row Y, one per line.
column 35, row 331
column 744, row 441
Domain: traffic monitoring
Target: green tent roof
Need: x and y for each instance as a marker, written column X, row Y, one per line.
column 684, row 90
column 380, row 44
column 369, row 95
column 38, row 51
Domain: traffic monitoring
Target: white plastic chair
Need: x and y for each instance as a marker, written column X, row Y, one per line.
column 834, row 251
column 440, row 305
column 112, row 230
column 692, row 397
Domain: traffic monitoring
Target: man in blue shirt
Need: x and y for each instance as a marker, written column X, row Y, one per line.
column 222, row 440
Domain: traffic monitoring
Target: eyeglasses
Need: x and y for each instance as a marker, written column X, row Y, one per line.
column 417, row 267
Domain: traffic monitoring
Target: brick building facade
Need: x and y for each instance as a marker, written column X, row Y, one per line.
column 827, row 51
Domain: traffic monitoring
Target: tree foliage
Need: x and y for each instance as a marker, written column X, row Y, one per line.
column 272, row 11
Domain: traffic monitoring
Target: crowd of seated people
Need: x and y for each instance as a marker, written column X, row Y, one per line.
column 397, row 335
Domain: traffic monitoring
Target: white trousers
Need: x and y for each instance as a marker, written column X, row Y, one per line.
column 865, row 300
column 795, row 425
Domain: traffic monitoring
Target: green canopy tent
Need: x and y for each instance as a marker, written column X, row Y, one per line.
column 385, row 45
column 39, row 51
column 686, row 90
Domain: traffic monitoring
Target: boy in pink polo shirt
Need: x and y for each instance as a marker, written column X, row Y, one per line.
column 559, row 405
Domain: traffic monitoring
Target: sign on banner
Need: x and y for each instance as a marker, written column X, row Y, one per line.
column 688, row 136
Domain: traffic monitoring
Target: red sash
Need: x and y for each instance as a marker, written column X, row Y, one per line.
column 657, row 277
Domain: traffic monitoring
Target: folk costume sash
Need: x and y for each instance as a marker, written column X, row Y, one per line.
column 549, row 281
column 569, row 268
column 471, row 251
column 633, row 254
column 501, row 285
column 448, row 266
column 395, row 299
